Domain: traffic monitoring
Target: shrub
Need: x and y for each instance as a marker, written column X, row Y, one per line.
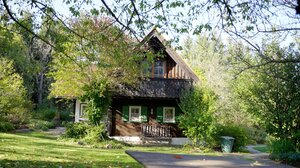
column 197, row 119
column 95, row 134
column 45, row 112
column 41, row 124
column 15, row 106
column 256, row 135
column 6, row 126
column 284, row 150
column 238, row 133
column 76, row 130
column 282, row 146
column 65, row 115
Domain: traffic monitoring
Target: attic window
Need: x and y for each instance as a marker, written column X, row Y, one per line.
column 159, row 69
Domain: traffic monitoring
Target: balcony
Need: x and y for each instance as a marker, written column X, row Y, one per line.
column 156, row 88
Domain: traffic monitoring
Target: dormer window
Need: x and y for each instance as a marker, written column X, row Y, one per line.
column 159, row 69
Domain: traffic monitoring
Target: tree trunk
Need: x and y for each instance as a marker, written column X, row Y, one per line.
column 40, row 89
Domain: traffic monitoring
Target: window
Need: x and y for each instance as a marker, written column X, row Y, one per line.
column 169, row 115
column 159, row 69
column 135, row 113
column 82, row 110
column 147, row 68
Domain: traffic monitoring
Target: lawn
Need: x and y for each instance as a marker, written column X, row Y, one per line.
column 264, row 148
column 42, row 150
column 39, row 149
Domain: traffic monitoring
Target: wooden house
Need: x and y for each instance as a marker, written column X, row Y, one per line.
column 150, row 110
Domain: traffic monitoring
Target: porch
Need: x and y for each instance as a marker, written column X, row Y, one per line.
column 156, row 134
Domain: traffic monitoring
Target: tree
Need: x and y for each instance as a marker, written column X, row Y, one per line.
column 30, row 56
column 212, row 59
column 197, row 121
column 95, row 69
column 14, row 106
column 112, row 57
column 239, row 19
column 272, row 94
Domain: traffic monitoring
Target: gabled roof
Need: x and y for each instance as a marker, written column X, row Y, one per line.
column 172, row 53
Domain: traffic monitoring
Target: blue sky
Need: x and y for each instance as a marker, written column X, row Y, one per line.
column 279, row 18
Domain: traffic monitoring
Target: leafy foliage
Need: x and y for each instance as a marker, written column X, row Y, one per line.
column 6, row 126
column 45, row 111
column 41, row 124
column 87, row 133
column 76, row 130
column 239, row 134
column 95, row 134
column 282, row 146
column 197, row 120
column 98, row 101
column 106, row 54
column 284, row 150
column 14, row 106
column 212, row 61
column 257, row 135
column 273, row 96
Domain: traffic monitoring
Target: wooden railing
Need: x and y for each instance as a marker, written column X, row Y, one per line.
column 156, row 131
column 156, row 88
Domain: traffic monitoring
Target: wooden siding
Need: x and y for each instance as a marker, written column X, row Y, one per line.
column 158, row 44
column 172, row 69
column 122, row 128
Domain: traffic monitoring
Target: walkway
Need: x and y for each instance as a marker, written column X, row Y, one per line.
column 160, row 160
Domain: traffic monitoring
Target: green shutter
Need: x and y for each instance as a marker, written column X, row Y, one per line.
column 144, row 114
column 177, row 114
column 159, row 114
column 125, row 113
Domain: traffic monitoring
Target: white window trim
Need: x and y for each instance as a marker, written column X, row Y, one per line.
column 173, row 109
column 140, row 113
column 80, row 116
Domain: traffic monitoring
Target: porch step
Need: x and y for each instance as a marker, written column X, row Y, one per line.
column 156, row 140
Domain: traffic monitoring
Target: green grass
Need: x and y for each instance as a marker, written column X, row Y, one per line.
column 39, row 149
column 264, row 149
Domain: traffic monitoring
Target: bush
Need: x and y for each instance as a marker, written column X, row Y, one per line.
column 85, row 133
column 45, row 112
column 95, row 134
column 197, row 121
column 256, row 135
column 282, row 146
column 6, row 126
column 284, row 150
column 65, row 115
column 76, row 130
column 238, row 133
column 41, row 124
column 15, row 106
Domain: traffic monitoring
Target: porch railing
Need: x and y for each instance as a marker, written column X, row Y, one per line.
column 156, row 131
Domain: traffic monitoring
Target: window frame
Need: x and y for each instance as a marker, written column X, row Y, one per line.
column 173, row 110
column 140, row 113
column 163, row 67
column 80, row 114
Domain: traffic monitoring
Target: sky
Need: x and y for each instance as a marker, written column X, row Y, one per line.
column 279, row 18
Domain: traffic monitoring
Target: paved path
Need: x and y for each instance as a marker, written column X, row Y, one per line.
column 160, row 160
column 251, row 149
column 57, row 131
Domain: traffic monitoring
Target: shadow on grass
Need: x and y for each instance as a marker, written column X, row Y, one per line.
column 38, row 135
column 49, row 164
